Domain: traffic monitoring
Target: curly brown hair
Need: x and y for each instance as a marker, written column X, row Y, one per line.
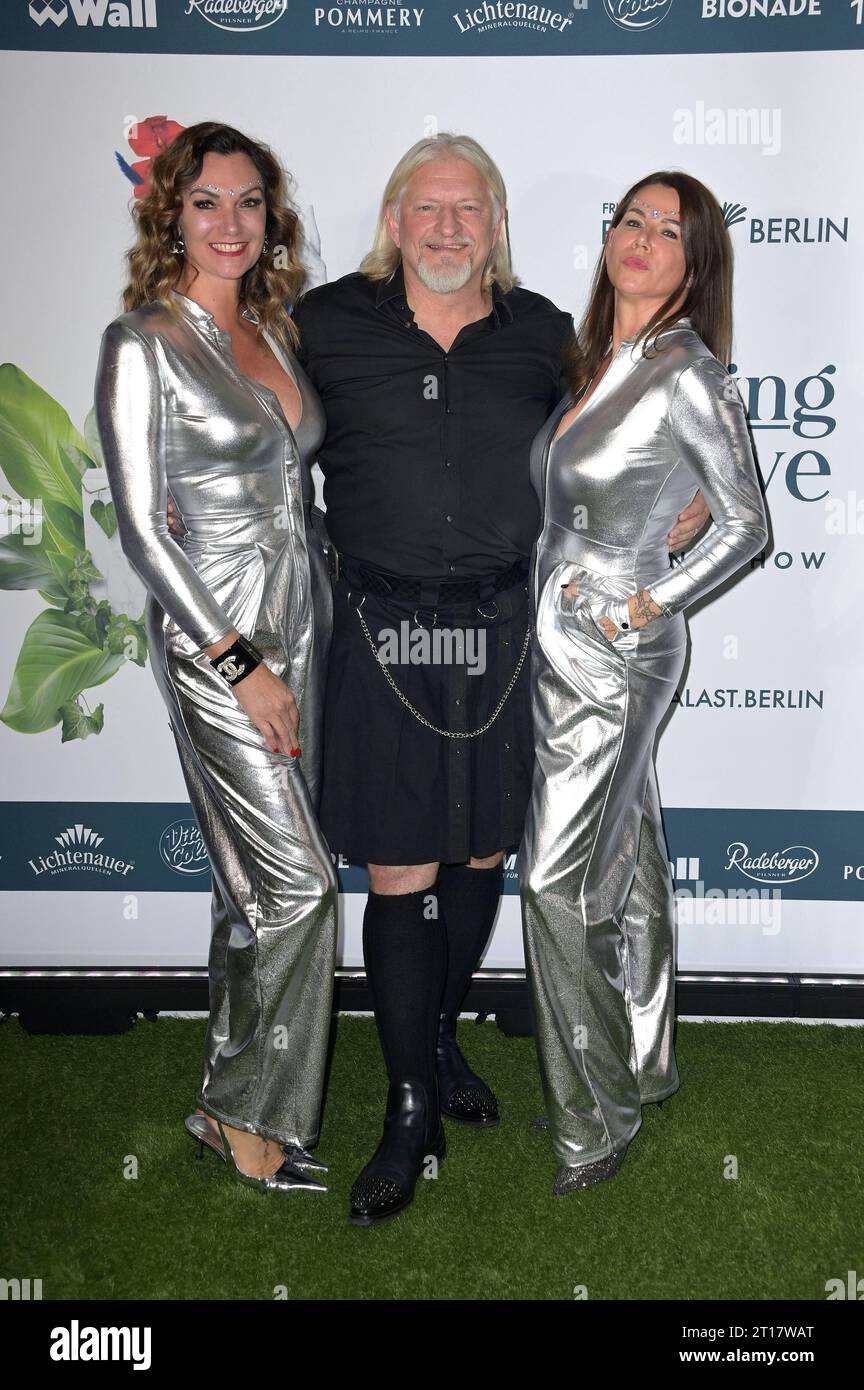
column 155, row 267
column 706, row 284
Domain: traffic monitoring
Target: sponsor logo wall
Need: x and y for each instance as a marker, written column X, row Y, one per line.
column 760, row 764
column 511, row 27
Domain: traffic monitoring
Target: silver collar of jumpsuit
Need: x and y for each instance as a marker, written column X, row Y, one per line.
column 205, row 320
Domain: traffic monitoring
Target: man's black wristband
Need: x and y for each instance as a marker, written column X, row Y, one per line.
column 237, row 661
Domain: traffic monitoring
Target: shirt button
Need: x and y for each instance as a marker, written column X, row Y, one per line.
column 448, row 517
column 448, row 463
column 452, row 569
column 457, row 702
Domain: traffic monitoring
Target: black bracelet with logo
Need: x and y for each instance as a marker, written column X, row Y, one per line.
column 237, row 661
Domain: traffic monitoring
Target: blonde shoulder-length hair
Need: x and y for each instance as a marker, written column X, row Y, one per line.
column 271, row 285
column 383, row 260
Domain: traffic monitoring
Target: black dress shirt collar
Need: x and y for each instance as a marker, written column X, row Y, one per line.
column 394, row 289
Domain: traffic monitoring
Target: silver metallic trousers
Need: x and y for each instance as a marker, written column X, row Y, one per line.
column 273, row 941
column 596, row 887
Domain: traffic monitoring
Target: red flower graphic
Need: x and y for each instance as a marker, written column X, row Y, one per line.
column 148, row 138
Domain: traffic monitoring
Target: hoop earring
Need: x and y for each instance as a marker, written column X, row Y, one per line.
column 265, row 248
column 179, row 247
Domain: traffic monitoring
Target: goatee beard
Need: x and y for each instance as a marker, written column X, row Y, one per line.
column 445, row 279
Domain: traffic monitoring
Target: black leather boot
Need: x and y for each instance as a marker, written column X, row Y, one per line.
column 463, row 1096
column 412, row 1134
column 468, row 899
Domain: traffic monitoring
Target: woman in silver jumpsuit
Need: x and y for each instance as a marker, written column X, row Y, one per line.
column 177, row 415
column 652, row 415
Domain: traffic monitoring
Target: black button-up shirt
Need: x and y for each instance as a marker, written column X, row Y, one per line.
column 425, row 458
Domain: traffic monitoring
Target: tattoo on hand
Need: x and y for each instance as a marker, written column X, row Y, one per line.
column 645, row 610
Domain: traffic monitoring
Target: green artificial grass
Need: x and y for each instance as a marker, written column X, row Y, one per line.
column 784, row 1099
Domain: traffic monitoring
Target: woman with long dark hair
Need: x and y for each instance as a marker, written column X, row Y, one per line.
column 199, row 396
column 652, row 414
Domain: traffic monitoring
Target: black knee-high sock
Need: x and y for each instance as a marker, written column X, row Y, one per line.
column 405, row 952
column 467, row 902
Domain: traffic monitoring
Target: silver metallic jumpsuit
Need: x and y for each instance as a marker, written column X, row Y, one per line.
column 597, row 898
column 176, row 415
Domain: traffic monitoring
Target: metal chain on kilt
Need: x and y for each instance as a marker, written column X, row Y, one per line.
column 447, row 733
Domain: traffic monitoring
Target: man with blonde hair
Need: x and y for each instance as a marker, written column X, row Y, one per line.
column 436, row 371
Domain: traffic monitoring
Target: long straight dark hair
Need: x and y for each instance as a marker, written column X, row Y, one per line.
column 707, row 267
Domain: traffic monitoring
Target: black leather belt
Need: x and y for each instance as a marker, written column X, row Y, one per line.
column 427, row 592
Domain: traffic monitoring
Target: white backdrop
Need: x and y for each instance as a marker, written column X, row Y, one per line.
column 570, row 134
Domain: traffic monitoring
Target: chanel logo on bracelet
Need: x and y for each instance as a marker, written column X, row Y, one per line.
column 237, row 661
column 229, row 669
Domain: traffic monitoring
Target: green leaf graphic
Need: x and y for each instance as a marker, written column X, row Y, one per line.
column 78, row 724
column 91, row 435
column 63, row 527
column 78, row 642
column 104, row 514
column 39, row 445
column 56, row 662
column 24, row 566
column 128, row 638
column 75, row 461
column 62, row 567
column 95, row 624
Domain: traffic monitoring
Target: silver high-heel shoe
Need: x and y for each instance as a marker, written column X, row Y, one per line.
column 204, row 1134
column 291, row 1174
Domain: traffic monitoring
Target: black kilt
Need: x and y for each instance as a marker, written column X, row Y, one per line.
column 395, row 792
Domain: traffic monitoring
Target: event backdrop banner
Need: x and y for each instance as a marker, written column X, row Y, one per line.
column 760, row 767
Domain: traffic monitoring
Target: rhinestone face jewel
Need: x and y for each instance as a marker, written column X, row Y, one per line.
column 655, row 212
column 214, row 188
